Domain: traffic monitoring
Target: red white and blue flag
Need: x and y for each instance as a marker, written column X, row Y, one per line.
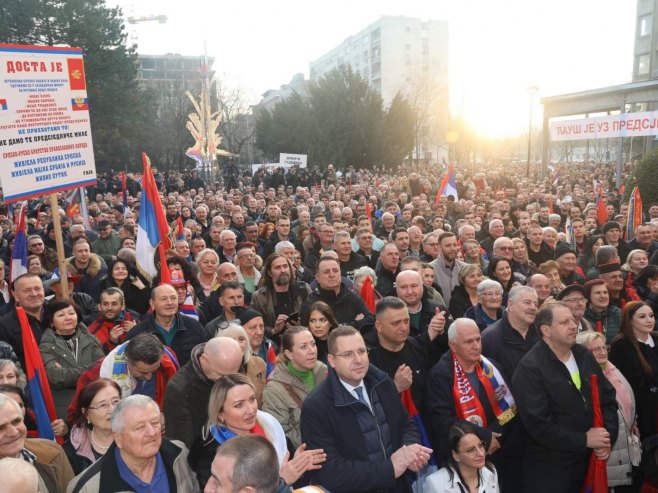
column 448, row 185
column 19, row 253
column 37, row 380
column 153, row 228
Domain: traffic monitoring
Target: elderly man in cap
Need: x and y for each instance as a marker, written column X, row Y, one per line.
column 570, row 272
column 108, row 242
column 575, row 297
column 612, row 235
column 139, row 459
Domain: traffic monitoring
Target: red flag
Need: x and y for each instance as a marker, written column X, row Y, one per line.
column 368, row 294
column 596, row 479
column 76, row 72
column 551, row 208
column 369, row 211
column 601, row 213
column 37, row 380
column 165, row 273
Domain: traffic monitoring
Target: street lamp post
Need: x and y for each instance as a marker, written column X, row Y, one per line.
column 532, row 90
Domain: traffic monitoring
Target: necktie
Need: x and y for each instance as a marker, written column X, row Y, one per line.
column 359, row 394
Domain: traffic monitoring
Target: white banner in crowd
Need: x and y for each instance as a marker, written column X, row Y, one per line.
column 606, row 127
column 288, row 160
column 45, row 134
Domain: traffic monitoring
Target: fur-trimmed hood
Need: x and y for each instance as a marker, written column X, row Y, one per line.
column 95, row 266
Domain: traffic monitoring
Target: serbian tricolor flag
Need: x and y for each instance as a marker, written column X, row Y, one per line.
column 368, row 294
column 179, row 234
column 153, row 228
column 270, row 360
column 596, row 479
column 19, row 253
column 601, row 213
column 410, row 406
column 448, row 186
column 37, row 381
column 634, row 214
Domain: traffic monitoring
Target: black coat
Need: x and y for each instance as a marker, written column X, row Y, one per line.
column 385, row 281
column 556, row 416
column 372, row 260
column 440, row 412
column 189, row 333
column 354, row 262
column 330, row 421
column 10, row 332
column 645, row 387
column 346, row 305
column 460, row 301
column 506, row 346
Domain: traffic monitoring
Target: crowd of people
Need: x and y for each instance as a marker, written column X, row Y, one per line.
column 348, row 329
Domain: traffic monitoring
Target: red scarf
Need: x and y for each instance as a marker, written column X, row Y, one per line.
column 467, row 402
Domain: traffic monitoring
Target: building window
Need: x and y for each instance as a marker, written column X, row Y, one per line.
column 645, row 25
column 643, row 64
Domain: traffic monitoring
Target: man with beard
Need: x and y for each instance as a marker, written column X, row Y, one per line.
column 280, row 294
column 446, row 266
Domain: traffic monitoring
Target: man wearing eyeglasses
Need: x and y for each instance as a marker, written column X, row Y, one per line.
column 574, row 296
column 357, row 417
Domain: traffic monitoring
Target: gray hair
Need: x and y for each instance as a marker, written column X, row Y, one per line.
column 487, row 284
column 18, row 471
column 454, row 327
column 127, row 254
column 281, row 245
column 502, row 239
column 21, row 378
column 554, row 217
column 365, row 271
column 113, row 291
column 135, row 400
column 235, row 329
column 463, row 229
column 429, row 236
column 494, row 222
column 8, row 401
column 341, row 234
column 226, row 232
column 516, row 291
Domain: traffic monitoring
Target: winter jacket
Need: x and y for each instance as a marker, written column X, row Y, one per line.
column 101, row 329
column 10, row 332
column 476, row 313
column 445, row 277
column 88, row 307
column 645, row 387
column 385, row 281
column 103, row 476
column 186, row 400
column 283, row 397
column 556, row 416
column 106, row 248
column 353, row 263
column 92, row 275
column 440, row 412
column 64, row 367
column 608, row 322
column 51, row 463
column 346, row 305
column 188, row 334
column 136, row 299
column 502, row 343
column 358, row 441
column 265, row 299
column 460, row 301
column 78, row 448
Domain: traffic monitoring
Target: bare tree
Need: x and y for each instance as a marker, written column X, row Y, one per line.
column 238, row 124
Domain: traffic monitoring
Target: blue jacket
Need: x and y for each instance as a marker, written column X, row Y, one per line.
column 358, row 442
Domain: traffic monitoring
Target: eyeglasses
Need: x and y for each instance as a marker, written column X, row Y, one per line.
column 104, row 407
column 596, row 349
column 482, row 447
column 350, row 354
column 580, row 301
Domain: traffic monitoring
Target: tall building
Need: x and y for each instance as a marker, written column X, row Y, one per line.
column 645, row 61
column 272, row 97
column 172, row 72
column 406, row 55
column 391, row 53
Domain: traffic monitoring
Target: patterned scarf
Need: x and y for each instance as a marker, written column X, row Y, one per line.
column 467, row 402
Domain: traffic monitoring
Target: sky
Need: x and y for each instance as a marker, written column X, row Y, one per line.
column 498, row 48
